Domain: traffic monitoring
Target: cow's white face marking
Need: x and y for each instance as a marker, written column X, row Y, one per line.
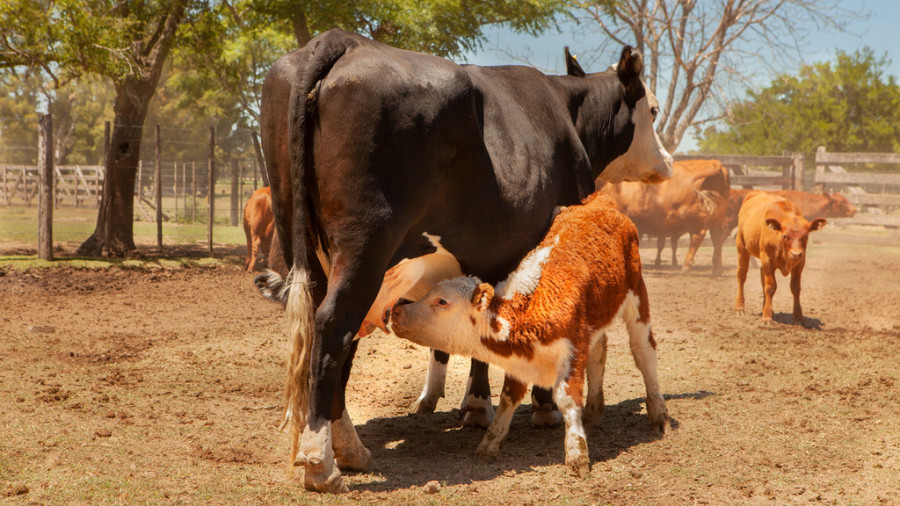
column 524, row 280
column 646, row 159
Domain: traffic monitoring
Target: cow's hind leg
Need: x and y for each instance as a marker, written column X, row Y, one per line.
column 349, row 452
column 350, row 293
column 643, row 349
column 510, row 397
column 596, row 366
column 435, row 379
column 477, row 410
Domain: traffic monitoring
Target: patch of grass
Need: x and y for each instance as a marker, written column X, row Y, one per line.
column 26, row 262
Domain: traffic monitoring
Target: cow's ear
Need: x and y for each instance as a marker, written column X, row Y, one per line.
column 817, row 224
column 630, row 65
column 572, row 66
column 482, row 296
column 773, row 224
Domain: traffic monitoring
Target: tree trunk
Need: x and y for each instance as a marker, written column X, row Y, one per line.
column 117, row 207
column 301, row 30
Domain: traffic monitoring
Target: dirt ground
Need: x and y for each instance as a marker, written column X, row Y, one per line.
column 164, row 385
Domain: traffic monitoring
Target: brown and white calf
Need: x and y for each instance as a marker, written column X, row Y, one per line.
column 774, row 230
column 546, row 324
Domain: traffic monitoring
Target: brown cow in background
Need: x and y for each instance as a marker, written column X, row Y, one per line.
column 819, row 205
column 259, row 225
column 693, row 201
column 774, row 230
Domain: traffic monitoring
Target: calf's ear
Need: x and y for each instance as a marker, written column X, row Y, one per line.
column 817, row 224
column 572, row 66
column 482, row 296
column 773, row 224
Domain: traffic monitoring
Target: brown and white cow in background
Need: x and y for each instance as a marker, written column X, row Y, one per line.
column 546, row 324
column 693, row 201
column 774, row 230
column 259, row 225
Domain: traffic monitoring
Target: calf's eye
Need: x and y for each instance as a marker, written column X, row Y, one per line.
column 441, row 303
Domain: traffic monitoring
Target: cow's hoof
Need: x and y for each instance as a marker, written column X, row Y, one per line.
column 579, row 466
column 324, row 477
column 361, row 461
column 477, row 412
column 545, row 416
column 592, row 413
column 424, row 406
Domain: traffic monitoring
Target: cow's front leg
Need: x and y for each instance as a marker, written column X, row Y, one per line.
column 510, row 398
column 477, row 410
column 742, row 268
column 796, row 273
column 544, row 412
column 660, row 245
column 674, row 243
column 569, row 397
column 696, row 241
column 434, row 382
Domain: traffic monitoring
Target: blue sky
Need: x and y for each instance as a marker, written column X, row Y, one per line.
column 880, row 31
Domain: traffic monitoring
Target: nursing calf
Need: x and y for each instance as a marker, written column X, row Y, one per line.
column 546, row 324
column 774, row 230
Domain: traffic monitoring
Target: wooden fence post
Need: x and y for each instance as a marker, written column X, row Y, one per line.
column 193, row 192
column 259, row 158
column 212, row 186
column 184, row 189
column 45, row 201
column 158, row 188
column 234, row 192
column 798, row 171
column 175, row 187
column 5, row 186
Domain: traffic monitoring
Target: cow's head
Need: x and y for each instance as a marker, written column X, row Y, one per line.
column 630, row 149
column 453, row 314
column 792, row 230
column 839, row 206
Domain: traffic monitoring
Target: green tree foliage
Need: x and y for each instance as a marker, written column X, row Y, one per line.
column 845, row 105
column 441, row 27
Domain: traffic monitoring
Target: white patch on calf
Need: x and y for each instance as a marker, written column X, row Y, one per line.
column 524, row 280
column 577, row 457
column 434, row 386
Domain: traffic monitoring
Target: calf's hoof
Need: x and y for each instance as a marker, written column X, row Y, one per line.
column 579, row 466
column 545, row 416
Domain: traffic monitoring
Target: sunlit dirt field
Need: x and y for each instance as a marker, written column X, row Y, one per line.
column 164, row 385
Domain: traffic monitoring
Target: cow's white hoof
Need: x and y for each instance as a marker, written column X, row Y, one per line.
column 424, row 406
column 477, row 412
column 360, row 461
column 323, row 477
column 545, row 416
column 579, row 465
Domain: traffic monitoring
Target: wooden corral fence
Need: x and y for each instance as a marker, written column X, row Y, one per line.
column 76, row 185
column 876, row 194
column 745, row 173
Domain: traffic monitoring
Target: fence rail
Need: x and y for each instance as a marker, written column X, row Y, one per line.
column 743, row 175
column 876, row 194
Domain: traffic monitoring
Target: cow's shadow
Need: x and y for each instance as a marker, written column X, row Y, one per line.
column 788, row 319
column 410, row 451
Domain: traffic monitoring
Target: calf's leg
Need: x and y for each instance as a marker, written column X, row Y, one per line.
column 510, row 397
column 568, row 396
column 696, row 241
column 596, row 366
column 742, row 268
column 643, row 349
column 796, row 273
column 769, row 285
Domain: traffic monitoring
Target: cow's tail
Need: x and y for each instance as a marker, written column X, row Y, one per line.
column 322, row 53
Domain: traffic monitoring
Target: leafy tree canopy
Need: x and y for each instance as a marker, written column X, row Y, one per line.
column 845, row 105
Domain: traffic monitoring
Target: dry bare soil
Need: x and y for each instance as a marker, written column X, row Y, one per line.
column 164, row 385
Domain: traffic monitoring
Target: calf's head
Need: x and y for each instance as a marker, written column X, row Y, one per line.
column 453, row 312
column 792, row 230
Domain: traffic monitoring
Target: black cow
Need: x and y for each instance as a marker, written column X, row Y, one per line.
column 374, row 152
